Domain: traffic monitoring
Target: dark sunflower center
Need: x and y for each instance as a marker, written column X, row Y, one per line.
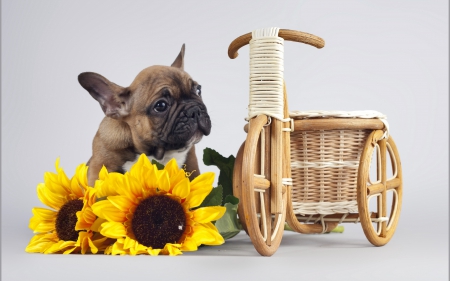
column 67, row 219
column 158, row 220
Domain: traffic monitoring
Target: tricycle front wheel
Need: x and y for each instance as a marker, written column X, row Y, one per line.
column 264, row 225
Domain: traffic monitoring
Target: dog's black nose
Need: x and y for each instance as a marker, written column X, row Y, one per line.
column 193, row 112
column 201, row 117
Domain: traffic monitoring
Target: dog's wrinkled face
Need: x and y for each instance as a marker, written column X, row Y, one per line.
column 168, row 104
column 163, row 107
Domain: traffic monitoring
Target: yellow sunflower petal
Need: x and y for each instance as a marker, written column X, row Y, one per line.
column 66, row 244
column 90, row 196
column 204, row 180
column 210, row 226
column 78, row 183
column 153, row 252
column 182, row 189
column 172, row 249
column 113, row 230
column 44, row 214
column 82, row 241
column 172, row 167
column 81, row 174
column 38, row 248
column 57, row 164
column 53, row 184
column 151, row 176
column 129, row 243
column 206, row 235
column 117, row 249
column 43, row 220
column 134, row 188
column 102, row 190
column 49, row 198
column 112, row 185
column 85, row 243
column 108, row 250
column 164, row 182
column 62, row 178
column 34, row 222
column 121, row 202
column 101, row 244
column 208, row 214
column 70, row 250
column 134, row 247
column 97, row 223
column 44, row 227
column 103, row 173
column 142, row 162
column 200, row 187
column 92, row 246
column 40, row 243
column 189, row 244
column 106, row 210
column 175, row 173
column 85, row 219
column 60, row 246
column 195, row 198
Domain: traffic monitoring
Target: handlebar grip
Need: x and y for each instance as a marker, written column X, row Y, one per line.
column 286, row 34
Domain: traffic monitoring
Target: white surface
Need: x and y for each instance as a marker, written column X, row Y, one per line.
column 389, row 56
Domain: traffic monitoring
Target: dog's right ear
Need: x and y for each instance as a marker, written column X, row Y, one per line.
column 114, row 99
column 179, row 61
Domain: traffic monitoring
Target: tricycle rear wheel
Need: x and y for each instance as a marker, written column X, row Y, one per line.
column 379, row 230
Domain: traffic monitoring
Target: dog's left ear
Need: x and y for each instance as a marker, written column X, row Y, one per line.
column 179, row 61
column 114, row 99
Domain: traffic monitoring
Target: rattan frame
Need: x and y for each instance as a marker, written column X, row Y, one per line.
column 326, row 183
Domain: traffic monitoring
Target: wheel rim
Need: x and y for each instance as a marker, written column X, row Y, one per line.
column 265, row 230
column 378, row 225
column 237, row 184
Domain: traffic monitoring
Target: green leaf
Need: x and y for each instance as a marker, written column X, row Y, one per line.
column 214, row 198
column 158, row 165
column 338, row 229
column 287, row 227
column 225, row 165
column 228, row 224
column 231, row 199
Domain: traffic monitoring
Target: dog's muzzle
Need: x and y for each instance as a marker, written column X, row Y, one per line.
column 190, row 121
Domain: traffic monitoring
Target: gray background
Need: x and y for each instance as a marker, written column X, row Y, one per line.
column 390, row 56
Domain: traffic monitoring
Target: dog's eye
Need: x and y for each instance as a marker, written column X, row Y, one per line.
column 198, row 91
column 160, row 106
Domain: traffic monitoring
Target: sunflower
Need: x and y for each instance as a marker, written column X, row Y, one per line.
column 151, row 211
column 55, row 228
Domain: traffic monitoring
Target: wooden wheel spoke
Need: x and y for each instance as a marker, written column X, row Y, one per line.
column 393, row 183
column 394, row 210
column 379, row 187
column 382, row 199
column 261, row 184
column 270, row 225
column 264, row 225
column 393, row 158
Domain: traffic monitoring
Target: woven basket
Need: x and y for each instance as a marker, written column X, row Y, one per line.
column 324, row 167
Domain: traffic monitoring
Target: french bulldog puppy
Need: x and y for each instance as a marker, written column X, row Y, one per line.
column 160, row 114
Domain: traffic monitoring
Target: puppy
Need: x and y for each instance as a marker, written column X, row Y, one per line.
column 160, row 114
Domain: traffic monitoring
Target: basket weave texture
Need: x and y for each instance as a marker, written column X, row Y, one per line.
column 324, row 170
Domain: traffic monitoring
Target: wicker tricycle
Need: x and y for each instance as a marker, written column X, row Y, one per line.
column 313, row 170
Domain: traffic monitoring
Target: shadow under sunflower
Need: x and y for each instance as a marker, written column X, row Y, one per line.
column 56, row 231
column 151, row 211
